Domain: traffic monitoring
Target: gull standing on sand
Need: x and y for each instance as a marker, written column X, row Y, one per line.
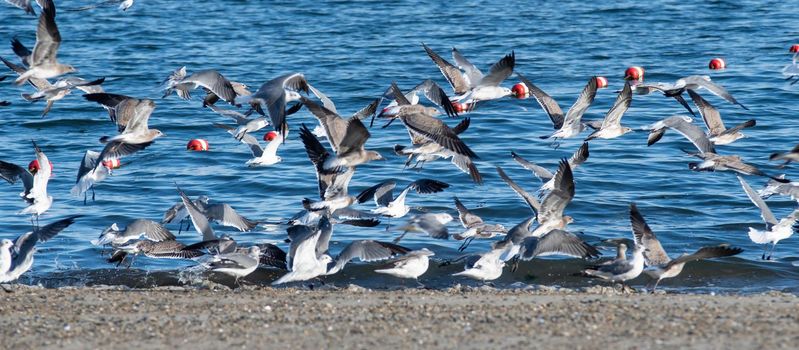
column 472, row 86
column 43, row 63
column 710, row 160
column 578, row 158
column 411, row 265
column 17, row 258
column 717, row 132
column 572, row 124
column 659, row 265
column 611, row 126
column 775, row 230
column 387, row 205
column 475, row 226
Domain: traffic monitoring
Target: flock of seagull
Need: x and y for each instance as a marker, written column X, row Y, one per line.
column 544, row 232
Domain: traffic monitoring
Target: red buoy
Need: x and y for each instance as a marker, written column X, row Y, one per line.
column 462, row 107
column 33, row 167
column 268, row 137
column 520, row 90
column 634, row 73
column 112, row 163
column 197, row 145
column 717, row 64
column 601, row 82
column 794, row 48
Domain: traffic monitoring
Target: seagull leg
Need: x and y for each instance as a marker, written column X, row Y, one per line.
column 514, row 263
column 6, row 289
column 399, row 238
column 655, row 286
column 466, row 244
column 93, row 194
column 765, row 248
column 85, row 195
column 772, row 251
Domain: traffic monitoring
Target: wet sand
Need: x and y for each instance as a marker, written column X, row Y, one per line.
column 257, row 317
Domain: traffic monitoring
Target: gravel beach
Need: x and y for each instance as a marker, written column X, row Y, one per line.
column 79, row 318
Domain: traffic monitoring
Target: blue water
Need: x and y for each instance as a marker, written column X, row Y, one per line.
column 352, row 51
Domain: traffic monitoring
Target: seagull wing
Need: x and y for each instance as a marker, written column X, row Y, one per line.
column 472, row 72
column 499, row 71
column 622, row 103
column 557, row 242
column 367, row 250
column 227, row 216
column 765, row 212
column 707, row 253
column 531, row 201
column 548, row 103
column 468, row 219
column 710, row 114
column 539, row 171
column 654, row 254
column 198, row 218
column 450, row 72
column 583, row 102
column 48, row 39
column 561, row 195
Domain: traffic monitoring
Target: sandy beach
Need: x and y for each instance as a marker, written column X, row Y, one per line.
column 213, row 318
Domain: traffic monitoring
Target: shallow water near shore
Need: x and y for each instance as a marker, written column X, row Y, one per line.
column 352, row 51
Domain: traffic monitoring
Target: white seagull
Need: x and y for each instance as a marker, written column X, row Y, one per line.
column 775, row 230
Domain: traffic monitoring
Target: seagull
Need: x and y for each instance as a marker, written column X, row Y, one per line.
column 790, row 156
column 135, row 230
column 424, row 150
column 428, row 88
column 578, row 158
column 17, row 258
column 531, row 201
column 550, row 214
column 210, row 80
column 570, row 125
column 773, row 187
column 347, row 138
column 620, row 271
column 475, row 226
column 366, row 250
column 711, row 161
column 333, row 125
column 237, row 264
column 611, row 126
column 131, row 116
column 387, row 205
column 178, row 212
column 166, row 249
column 333, row 186
column 555, row 242
column 43, row 63
column 262, row 156
column 411, row 265
column 486, row 266
column 659, row 265
column 775, row 230
column 693, row 82
column 473, row 86
column 34, row 183
column 124, row 5
column 433, row 224
column 274, row 95
column 23, row 4
column 717, row 132
column 88, row 176
column 305, row 260
column 222, row 213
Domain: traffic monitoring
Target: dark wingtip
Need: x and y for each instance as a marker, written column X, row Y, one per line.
column 774, row 156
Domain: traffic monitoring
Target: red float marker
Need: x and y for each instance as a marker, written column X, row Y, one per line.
column 112, row 163
column 634, row 73
column 717, row 64
column 794, row 48
column 268, row 137
column 33, row 167
column 197, row 145
column 520, row 90
column 462, row 107
column 601, row 82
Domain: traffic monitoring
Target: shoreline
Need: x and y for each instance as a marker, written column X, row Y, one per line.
column 355, row 317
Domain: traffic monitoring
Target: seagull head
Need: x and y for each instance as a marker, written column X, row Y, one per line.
column 568, row 219
column 373, row 155
column 6, row 244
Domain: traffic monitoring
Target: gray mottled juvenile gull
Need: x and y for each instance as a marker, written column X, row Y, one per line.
column 366, row 250
column 790, row 156
column 166, row 249
column 775, row 230
column 571, row 124
column 305, row 260
column 717, row 132
column 24, row 5
column 486, row 266
column 411, row 265
column 611, row 126
column 578, row 158
column 659, row 265
column 474, row 225
column 24, row 246
column 387, row 205
column 208, row 79
column 773, row 187
column 131, row 116
column 43, row 63
column 473, row 86
column 433, row 224
column 89, row 174
column 135, row 230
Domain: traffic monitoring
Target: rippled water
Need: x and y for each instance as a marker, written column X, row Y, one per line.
column 352, row 51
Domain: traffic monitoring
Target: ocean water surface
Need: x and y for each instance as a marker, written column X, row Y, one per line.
column 352, row 51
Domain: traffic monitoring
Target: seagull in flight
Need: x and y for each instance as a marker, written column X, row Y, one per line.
column 43, row 63
column 775, row 230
